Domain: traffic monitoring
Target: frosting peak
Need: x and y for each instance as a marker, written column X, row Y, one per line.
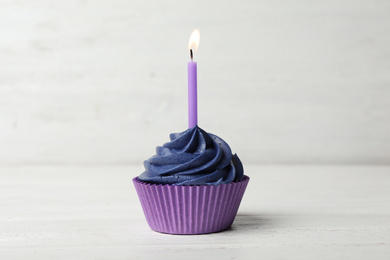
column 193, row 157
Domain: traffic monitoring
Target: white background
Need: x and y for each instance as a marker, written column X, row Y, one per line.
column 87, row 82
column 89, row 88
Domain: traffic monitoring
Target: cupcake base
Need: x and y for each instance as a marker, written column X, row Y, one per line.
column 190, row 210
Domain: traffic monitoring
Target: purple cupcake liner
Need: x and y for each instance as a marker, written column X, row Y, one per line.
column 190, row 210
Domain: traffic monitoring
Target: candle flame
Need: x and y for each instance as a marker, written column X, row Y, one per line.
column 194, row 40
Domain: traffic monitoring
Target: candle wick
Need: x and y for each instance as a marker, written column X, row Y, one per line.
column 191, row 55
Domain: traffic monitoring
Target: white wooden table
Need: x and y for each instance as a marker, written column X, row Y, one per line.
column 294, row 212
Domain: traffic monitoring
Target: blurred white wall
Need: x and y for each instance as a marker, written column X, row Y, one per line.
column 281, row 81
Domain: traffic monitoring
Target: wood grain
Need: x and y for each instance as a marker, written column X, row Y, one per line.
column 84, row 82
column 288, row 212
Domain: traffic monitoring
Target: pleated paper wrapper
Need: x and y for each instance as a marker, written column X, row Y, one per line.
column 190, row 210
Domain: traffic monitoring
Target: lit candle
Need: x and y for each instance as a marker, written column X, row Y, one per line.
column 192, row 81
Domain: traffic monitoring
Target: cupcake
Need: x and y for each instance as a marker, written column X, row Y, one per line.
column 193, row 185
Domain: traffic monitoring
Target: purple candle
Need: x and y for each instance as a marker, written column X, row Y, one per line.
column 192, row 95
column 192, row 81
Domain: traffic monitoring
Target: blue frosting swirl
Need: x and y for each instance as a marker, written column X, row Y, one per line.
column 193, row 157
